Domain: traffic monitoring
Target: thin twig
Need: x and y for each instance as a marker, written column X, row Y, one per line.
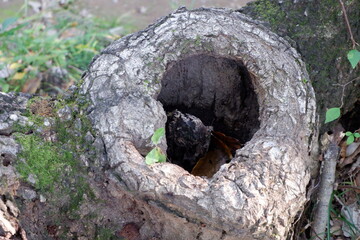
column 339, row 200
column 348, row 186
column 354, row 43
column 343, row 89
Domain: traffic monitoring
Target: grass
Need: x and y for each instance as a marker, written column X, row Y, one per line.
column 30, row 47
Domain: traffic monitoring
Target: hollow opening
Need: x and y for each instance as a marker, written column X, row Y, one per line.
column 6, row 161
column 351, row 120
column 214, row 89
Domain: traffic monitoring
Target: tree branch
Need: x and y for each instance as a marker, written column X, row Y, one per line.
column 354, row 43
column 343, row 89
column 326, row 188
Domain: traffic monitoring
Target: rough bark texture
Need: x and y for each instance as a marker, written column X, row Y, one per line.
column 259, row 192
column 11, row 108
column 256, row 195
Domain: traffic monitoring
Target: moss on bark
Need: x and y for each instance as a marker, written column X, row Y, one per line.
column 318, row 30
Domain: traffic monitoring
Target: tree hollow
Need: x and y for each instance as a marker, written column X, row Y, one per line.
column 233, row 74
column 216, row 89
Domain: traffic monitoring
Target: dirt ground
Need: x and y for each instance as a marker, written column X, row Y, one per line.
column 145, row 12
column 140, row 12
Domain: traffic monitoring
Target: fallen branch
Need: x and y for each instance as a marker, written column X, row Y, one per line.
column 326, row 188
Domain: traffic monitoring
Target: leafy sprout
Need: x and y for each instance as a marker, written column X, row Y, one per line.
column 158, row 134
column 351, row 137
column 156, row 155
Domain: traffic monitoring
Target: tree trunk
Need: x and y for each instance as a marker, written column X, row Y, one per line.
column 229, row 71
column 225, row 69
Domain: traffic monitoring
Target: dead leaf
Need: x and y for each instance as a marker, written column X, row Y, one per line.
column 14, row 65
column 71, row 32
column 343, row 148
column 220, row 152
column 19, row 75
column 350, row 197
column 74, row 24
column 31, row 85
column 350, row 158
column 352, row 215
column 352, row 148
column 231, row 142
column 355, row 167
column 42, row 107
column 336, row 227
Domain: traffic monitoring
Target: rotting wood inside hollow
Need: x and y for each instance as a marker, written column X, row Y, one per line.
column 216, row 89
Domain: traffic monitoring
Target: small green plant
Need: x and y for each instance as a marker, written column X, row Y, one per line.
column 334, row 113
column 304, row 80
column 156, row 155
column 351, row 137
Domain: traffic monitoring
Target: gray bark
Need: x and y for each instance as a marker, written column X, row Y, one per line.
column 326, row 189
column 255, row 196
column 10, row 108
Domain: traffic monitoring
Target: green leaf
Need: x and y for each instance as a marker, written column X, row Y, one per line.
column 158, row 134
column 162, row 158
column 350, row 140
column 155, row 156
column 354, row 57
column 7, row 22
column 357, row 135
column 151, row 157
column 332, row 114
column 12, row 30
column 348, row 133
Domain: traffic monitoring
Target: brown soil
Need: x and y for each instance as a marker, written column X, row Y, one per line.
column 143, row 13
